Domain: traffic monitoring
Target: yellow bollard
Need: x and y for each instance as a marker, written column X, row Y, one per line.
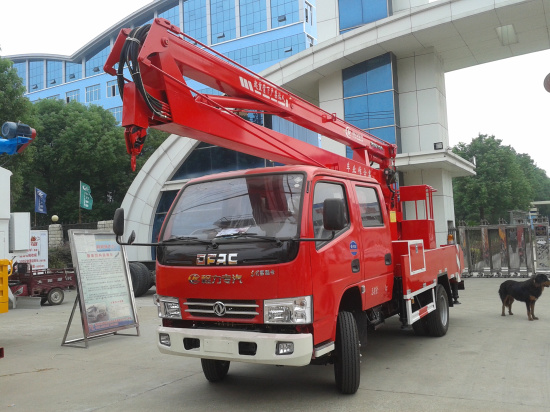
column 4, row 299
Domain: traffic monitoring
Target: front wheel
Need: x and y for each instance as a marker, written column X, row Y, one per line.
column 347, row 364
column 438, row 320
column 55, row 296
column 214, row 370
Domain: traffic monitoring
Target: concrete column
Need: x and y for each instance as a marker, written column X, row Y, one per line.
column 423, row 121
column 327, row 20
column 55, row 236
column 331, row 99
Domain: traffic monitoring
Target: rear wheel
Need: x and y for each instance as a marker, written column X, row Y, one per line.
column 438, row 320
column 145, row 281
column 214, row 370
column 347, row 364
column 55, row 296
column 139, row 278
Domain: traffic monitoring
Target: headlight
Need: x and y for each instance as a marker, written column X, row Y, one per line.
column 288, row 311
column 168, row 307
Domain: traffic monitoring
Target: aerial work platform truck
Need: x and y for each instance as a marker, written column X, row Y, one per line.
column 285, row 265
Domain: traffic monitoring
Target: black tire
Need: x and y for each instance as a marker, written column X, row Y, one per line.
column 214, row 370
column 56, row 296
column 145, row 281
column 135, row 275
column 438, row 320
column 347, row 363
column 420, row 327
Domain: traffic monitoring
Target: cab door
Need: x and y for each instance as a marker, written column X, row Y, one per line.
column 375, row 245
column 332, row 270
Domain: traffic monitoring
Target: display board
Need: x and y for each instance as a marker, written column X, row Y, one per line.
column 37, row 255
column 105, row 294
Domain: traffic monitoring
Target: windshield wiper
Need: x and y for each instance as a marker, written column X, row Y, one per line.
column 277, row 241
column 190, row 239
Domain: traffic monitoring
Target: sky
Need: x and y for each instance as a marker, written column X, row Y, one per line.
column 505, row 98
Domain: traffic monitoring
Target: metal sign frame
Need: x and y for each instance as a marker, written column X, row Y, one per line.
column 105, row 294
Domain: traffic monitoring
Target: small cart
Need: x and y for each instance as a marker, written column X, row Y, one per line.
column 49, row 284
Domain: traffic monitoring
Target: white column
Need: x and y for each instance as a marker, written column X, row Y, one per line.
column 423, row 121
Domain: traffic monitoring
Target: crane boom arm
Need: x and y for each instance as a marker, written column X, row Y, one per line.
column 160, row 57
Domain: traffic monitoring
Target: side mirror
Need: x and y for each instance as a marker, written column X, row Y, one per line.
column 118, row 222
column 334, row 214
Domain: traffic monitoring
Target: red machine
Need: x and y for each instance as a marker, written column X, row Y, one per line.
column 49, row 284
column 284, row 265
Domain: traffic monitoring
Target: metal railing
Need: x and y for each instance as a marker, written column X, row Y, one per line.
column 506, row 250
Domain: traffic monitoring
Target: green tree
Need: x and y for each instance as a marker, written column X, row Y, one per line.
column 75, row 143
column 504, row 181
column 13, row 105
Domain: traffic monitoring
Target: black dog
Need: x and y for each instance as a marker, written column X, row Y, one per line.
column 528, row 291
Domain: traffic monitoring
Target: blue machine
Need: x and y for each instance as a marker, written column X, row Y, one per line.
column 17, row 137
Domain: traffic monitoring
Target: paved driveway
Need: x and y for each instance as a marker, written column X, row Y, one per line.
column 486, row 362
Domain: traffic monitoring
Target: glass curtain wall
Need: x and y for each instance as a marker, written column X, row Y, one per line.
column 370, row 97
column 355, row 13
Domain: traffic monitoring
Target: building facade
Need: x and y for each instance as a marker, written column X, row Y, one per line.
column 379, row 64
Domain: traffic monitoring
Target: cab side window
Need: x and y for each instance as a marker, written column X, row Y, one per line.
column 369, row 204
column 325, row 190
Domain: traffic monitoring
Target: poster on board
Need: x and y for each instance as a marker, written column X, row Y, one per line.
column 104, row 286
column 37, row 255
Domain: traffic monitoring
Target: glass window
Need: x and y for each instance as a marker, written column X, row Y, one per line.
column 323, row 191
column 269, row 52
column 380, row 109
column 353, row 13
column 264, row 205
column 356, row 111
column 54, row 70
column 355, row 80
column 94, row 64
column 112, row 88
column 370, row 101
column 284, row 12
column 379, row 73
column 21, row 69
column 36, row 75
column 194, row 19
column 222, row 14
column 253, row 16
column 73, row 95
column 172, row 14
column 388, row 134
column 369, row 205
column 308, row 13
column 73, row 71
column 92, row 93
column 117, row 112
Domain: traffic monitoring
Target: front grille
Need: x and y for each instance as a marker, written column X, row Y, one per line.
column 220, row 309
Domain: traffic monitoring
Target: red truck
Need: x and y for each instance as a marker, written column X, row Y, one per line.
column 286, row 265
column 48, row 284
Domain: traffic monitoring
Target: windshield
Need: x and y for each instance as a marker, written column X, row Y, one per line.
column 258, row 205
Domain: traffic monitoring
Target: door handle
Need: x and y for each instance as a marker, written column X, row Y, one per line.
column 387, row 259
column 355, row 266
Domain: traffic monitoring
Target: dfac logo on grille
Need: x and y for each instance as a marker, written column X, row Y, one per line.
column 219, row 308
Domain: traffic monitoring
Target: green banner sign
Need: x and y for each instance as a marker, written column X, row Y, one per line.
column 86, row 200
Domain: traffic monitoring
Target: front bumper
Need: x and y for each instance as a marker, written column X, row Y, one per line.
column 227, row 345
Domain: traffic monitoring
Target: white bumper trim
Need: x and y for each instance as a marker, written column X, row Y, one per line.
column 224, row 345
